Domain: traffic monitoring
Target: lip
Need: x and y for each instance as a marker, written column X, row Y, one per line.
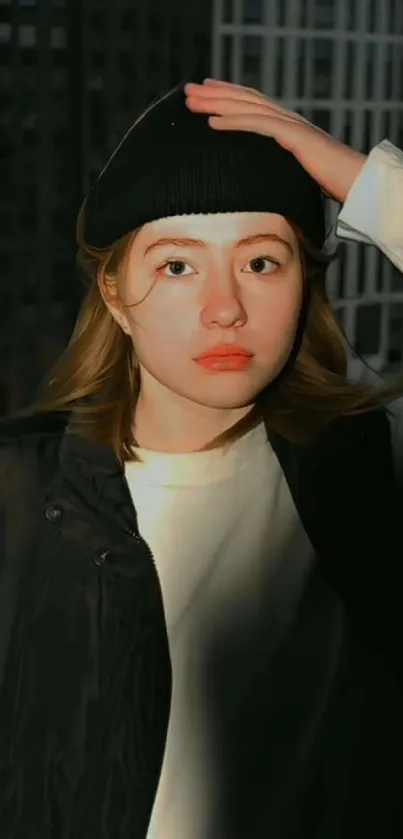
column 224, row 351
column 224, row 363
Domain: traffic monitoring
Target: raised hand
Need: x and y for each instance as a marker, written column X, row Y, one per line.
column 232, row 107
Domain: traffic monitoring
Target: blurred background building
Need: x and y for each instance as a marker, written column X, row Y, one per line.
column 340, row 64
column 75, row 73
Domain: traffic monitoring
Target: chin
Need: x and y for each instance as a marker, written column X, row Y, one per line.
column 226, row 400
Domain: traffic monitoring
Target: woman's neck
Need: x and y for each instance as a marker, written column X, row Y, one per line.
column 179, row 429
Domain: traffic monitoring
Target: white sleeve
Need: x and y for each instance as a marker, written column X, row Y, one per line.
column 373, row 210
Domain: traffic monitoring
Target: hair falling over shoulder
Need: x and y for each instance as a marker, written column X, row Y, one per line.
column 96, row 379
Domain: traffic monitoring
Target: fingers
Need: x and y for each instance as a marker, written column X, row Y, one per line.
column 217, row 81
column 236, row 93
column 216, row 89
column 225, row 107
column 276, row 127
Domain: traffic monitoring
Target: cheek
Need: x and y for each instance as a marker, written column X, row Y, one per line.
column 279, row 316
column 159, row 329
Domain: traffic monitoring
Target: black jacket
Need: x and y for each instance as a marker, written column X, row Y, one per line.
column 84, row 658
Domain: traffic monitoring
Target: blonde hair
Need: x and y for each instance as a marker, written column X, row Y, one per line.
column 97, row 378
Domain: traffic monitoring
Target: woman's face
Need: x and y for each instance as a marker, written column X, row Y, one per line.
column 196, row 282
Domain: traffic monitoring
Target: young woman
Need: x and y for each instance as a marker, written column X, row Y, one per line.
column 200, row 622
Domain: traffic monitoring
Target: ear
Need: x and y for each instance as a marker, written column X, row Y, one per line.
column 109, row 292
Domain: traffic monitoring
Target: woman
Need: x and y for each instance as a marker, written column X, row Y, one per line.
column 200, row 623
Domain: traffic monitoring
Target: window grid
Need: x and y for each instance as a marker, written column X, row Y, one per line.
column 346, row 76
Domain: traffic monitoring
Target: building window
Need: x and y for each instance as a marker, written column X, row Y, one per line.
column 227, row 53
column 352, row 13
column 253, row 11
column 129, row 19
column 29, row 57
column 370, row 58
column 27, row 36
column 95, row 82
column 155, row 26
column 280, row 13
column 371, row 23
column 97, row 21
column 379, row 270
column 395, row 335
column 323, row 119
column 324, row 14
column 350, row 64
column 5, row 220
column 60, row 73
column 60, row 137
column 3, row 399
column 362, row 252
column 368, row 329
column 395, row 17
column 97, row 59
column 31, row 285
column 58, row 37
column 341, row 271
column 228, row 11
column 30, row 137
column 251, row 60
column 366, row 145
column 5, row 33
column 6, row 99
column 322, row 68
column 126, row 63
column 279, row 69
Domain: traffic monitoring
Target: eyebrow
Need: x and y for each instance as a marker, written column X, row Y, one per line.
column 247, row 240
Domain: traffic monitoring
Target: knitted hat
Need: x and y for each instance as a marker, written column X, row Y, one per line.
column 171, row 162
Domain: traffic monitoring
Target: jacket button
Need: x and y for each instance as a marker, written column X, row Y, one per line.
column 100, row 557
column 53, row 513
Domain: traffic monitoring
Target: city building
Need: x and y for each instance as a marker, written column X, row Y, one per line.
column 340, row 64
column 73, row 76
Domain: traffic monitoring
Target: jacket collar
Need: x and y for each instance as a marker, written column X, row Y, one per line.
column 327, row 478
column 344, row 489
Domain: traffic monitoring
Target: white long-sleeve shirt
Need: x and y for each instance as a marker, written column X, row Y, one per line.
column 373, row 210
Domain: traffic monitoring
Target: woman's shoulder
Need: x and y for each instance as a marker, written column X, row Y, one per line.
column 26, row 426
column 356, row 433
column 25, row 439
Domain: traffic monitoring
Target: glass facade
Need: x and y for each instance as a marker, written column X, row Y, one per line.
column 340, row 64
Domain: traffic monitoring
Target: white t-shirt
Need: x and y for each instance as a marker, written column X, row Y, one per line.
column 229, row 547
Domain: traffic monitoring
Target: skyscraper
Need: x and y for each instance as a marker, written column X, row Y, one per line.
column 340, row 64
column 73, row 75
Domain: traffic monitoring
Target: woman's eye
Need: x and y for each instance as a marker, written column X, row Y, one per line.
column 176, row 268
column 262, row 265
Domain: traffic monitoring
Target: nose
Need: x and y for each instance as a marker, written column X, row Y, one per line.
column 222, row 304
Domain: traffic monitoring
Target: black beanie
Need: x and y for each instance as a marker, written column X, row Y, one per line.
column 171, row 162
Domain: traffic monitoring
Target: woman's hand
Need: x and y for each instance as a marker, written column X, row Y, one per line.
column 331, row 163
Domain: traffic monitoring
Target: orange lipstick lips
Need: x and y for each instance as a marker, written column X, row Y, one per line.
column 224, row 357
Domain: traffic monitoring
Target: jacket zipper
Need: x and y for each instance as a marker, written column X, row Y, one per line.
column 140, row 541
